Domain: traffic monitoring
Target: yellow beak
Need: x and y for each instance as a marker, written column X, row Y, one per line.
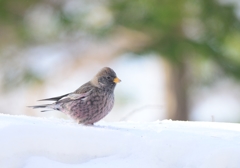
column 116, row 80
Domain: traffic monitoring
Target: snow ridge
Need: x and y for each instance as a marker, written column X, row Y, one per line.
column 28, row 142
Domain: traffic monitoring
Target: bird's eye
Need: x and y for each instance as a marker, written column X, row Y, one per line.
column 108, row 77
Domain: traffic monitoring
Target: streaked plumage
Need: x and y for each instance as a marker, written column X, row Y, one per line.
column 90, row 102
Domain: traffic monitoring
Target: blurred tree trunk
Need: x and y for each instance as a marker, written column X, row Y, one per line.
column 176, row 91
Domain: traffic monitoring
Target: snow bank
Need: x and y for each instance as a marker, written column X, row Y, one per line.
column 28, row 142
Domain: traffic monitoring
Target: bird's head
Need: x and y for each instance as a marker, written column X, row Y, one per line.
column 105, row 78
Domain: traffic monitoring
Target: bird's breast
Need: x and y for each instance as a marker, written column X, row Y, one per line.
column 104, row 101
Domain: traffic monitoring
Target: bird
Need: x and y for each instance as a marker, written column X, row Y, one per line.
column 90, row 102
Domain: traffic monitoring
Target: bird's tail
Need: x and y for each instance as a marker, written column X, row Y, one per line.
column 48, row 106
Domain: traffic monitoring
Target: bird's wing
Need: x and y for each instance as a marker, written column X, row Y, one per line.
column 71, row 96
column 84, row 88
column 81, row 92
column 75, row 96
column 55, row 98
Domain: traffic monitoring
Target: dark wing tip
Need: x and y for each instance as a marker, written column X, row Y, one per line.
column 54, row 98
column 39, row 106
column 29, row 106
column 50, row 99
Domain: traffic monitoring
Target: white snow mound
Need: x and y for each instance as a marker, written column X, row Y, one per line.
column 28, row 142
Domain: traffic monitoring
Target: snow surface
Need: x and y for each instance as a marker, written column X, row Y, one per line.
column 30, row 142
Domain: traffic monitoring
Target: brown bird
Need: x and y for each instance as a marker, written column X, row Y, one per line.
column 90, row 102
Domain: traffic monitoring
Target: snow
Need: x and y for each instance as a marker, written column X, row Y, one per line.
column 31, row 142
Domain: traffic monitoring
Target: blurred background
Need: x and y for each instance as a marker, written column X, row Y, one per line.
column 177, row 59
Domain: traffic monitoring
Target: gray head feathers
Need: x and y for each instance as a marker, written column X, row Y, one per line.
column 105, row 77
